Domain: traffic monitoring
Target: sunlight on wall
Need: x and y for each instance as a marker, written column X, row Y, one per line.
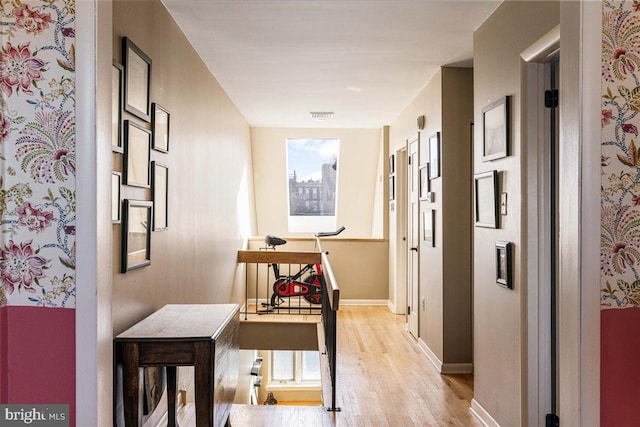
column 243, row 207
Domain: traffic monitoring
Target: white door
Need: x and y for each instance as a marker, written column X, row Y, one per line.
column 413, row 235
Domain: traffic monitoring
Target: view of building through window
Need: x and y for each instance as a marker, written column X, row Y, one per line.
column 312, row 176
column 312, row 167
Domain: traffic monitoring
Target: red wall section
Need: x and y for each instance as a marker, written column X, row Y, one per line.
column 37, row 356
column 620, row 367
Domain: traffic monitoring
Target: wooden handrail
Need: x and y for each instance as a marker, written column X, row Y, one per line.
column 269, row 257
column 333, row 290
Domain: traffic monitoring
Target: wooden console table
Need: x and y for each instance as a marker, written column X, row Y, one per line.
column 201, row 335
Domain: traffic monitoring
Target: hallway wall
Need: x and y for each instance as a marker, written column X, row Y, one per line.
column 211, row 206
column 445, row 269
column 500, row 313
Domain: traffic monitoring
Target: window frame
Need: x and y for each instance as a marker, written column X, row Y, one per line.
column 298, row 382
column 311, row 223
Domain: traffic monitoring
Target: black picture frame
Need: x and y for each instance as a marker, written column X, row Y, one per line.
column 160, row 196
column 137, row 154
column 429, row 227
column 117, row 97
column 424, row 185
column 486, row 199
column 496, row 129
column 136, row 234
column 504, row 264
column 434, row 155
column 137, row 80
column 160, row 118
column 116, row 201
column 392, row 188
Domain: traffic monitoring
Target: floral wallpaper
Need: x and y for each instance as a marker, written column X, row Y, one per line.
column 620, row 176
column 37, row 153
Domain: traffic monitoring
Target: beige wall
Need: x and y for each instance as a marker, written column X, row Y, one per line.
column 210, row 176
column 500, row 313
column 457, row 116
column 357, row 175
column 427, row 103
column 445, row 270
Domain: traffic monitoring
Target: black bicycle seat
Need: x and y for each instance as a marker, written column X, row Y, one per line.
column 272, row 240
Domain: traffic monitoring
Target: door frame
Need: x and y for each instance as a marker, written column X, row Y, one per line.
column 400, row 206
column 538, row 361
column 579, row 246
column 407, row 202
column 579, row 205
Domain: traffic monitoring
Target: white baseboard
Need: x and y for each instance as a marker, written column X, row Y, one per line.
column 482, row 415
column 444, row 368
column 457, row 368
column 369, row 302
column 430, row 355
column 391, row 306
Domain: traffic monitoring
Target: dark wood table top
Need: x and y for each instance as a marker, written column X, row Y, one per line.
column 181, row 322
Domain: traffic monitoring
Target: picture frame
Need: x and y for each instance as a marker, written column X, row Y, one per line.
column 160, row 128
column 160, row 196
column 424, row 185
column 496, row 129
column 428, row 227
column 504, row 264
column 392, row 164
column 116, row 205
column 392, row 188
column 137, row 154
column 117, row 96
column 137, row 80
column 136, row 234
column 434, row 156
column 486, row 199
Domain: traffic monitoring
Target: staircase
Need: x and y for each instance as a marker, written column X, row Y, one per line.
column 298, row 327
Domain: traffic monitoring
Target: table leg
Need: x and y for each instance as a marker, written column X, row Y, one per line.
column 131, row 383
column 171, row 395
column 204, row 360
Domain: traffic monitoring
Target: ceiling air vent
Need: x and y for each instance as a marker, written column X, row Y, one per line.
column 321, row 115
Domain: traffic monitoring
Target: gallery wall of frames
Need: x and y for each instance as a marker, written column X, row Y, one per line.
column 140, row 143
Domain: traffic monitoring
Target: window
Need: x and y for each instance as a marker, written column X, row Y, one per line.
column 312, row 168
column 295, row 368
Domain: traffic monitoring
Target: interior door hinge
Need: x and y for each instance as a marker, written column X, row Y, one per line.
column 551, row 98
column 552, row 420
column 408, row 309
column 409, row 159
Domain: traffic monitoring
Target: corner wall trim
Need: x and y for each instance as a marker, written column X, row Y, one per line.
column 430, row 355
column 369, row 302
column 482, row 415
column 391, row 306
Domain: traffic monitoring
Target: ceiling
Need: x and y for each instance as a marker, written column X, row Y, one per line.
column 363, row 60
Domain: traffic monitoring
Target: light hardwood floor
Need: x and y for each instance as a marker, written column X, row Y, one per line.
column 383, row 380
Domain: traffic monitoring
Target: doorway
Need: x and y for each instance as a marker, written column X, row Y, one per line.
column 542, row 114
column 413, row 236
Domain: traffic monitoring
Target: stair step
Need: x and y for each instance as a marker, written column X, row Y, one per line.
column 279, row 416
